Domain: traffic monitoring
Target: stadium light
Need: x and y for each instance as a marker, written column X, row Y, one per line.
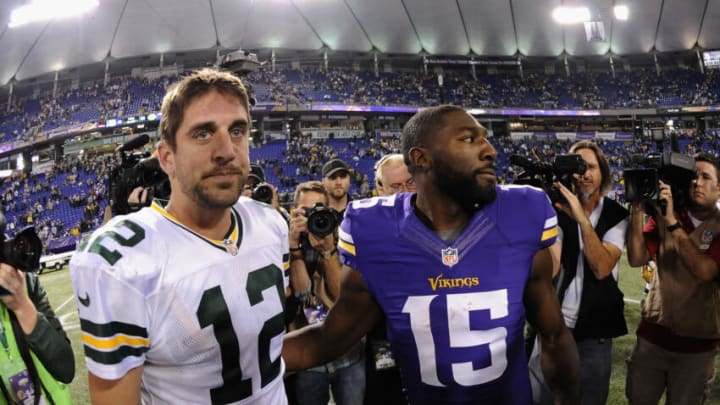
column 621, row 12
column 42, row 10
column 571, row 15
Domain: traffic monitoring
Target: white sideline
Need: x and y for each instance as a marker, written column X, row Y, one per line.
column 64, row 303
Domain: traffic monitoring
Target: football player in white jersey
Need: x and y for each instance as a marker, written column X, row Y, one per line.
column 183, row 302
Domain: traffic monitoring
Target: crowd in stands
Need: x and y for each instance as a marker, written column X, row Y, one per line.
column 24, row 118
column 70, row 198
column 67, row 200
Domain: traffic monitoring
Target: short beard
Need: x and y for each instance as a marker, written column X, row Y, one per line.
column 202, row 196
column 463, row 188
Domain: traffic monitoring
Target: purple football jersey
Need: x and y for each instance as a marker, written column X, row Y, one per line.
column 455, row 314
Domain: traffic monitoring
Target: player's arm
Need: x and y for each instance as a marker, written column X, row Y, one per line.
column 354, row 314
column 125, row 390
column 559, row 357
column 637, row 252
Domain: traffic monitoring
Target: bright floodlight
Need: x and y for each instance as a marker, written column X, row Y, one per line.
column 571, row 15
column 41, row 10
column 621, row 12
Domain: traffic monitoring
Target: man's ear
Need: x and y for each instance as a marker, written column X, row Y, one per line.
column 420, row 158
column 166, row 158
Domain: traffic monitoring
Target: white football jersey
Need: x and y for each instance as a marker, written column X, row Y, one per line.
column 203, row 317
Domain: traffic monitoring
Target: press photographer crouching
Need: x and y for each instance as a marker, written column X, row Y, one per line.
column 680, row 326
column 36, row 360
column 315, row 281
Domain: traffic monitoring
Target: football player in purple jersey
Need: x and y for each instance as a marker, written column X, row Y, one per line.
column 456, row 269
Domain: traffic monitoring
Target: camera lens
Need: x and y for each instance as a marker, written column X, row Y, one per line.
column 322, row 222
column 262, row 193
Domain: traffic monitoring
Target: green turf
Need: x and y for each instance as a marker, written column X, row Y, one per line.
column 58, row 287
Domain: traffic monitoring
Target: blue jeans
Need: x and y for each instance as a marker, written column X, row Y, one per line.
column 595, row 367
column 347, row 384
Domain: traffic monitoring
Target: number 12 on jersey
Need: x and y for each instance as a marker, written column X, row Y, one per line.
column 461, row 335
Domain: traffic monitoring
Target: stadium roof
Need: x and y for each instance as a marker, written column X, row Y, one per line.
column 127, row 28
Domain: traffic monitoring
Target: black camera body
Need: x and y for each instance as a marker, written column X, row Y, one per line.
column 263, row 193
column 22, row 252
column 136, row 170
column 322, row 220
column 543, row 175
column 673, row 168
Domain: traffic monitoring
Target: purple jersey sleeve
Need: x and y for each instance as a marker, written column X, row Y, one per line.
column 346, row 245
column 550, row 229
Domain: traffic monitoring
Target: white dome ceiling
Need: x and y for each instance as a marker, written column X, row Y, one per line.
column 126, row 28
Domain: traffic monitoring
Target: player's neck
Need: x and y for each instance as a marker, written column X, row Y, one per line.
column 210, row 223
column 439, row 213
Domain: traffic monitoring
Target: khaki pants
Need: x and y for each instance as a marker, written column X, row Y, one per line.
column 651, row 370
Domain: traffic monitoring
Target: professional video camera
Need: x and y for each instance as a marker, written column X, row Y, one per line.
column 136, row 170
column 22, row 252
column 672, row 167
column 543, row 175
column 322, row 220
column 263, row 193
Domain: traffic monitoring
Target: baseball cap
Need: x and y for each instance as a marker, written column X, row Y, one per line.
column 334, row 166
column 257, row 172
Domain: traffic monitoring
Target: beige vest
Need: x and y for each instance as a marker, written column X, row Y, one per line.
column 677, row 299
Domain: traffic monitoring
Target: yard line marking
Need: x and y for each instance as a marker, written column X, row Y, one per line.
column 64, row 303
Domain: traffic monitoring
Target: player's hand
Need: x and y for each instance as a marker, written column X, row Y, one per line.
column 572, row 206
column 14, row 282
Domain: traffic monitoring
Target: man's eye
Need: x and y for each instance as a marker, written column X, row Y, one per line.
column 202, row 134
column 238, row 131
column 468, row 139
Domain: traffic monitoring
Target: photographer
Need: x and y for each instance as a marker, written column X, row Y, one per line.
column 37, row 360
column 593, row 236
column 315, row 280
column 680, row 326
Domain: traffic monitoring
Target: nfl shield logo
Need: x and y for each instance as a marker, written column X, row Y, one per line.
column 449, row 256
column 707, row 237
column 230, row 247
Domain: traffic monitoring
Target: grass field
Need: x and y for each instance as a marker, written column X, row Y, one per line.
column 58, row 286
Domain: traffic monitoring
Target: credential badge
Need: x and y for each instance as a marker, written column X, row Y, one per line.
column 449, row 256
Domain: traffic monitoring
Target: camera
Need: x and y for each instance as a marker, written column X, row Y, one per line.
column 22, row 252
column 136, row 170
column 543, row 174
column 672, row 167
column 322, row 220
column 263, row 193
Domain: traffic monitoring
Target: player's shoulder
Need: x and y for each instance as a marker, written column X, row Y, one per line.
column 128, row 247
column 257, row 212
column 517, row 192
column 378, row 207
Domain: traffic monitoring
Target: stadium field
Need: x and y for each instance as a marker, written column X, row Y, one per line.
column 58, row 286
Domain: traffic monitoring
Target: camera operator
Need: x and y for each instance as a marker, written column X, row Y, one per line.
column 37, row 359
column 680, row 326
column 336, row 179
column 315, row 280
column 259, row 190
column 593, row 236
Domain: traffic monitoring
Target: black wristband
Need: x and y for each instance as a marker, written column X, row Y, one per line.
column 674, row 226
column 297, row 249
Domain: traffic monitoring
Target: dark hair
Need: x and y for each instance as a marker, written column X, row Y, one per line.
column 191, row 87
column 709, row 158
column 312, row 186
column 602, row 162
column 420, row 126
